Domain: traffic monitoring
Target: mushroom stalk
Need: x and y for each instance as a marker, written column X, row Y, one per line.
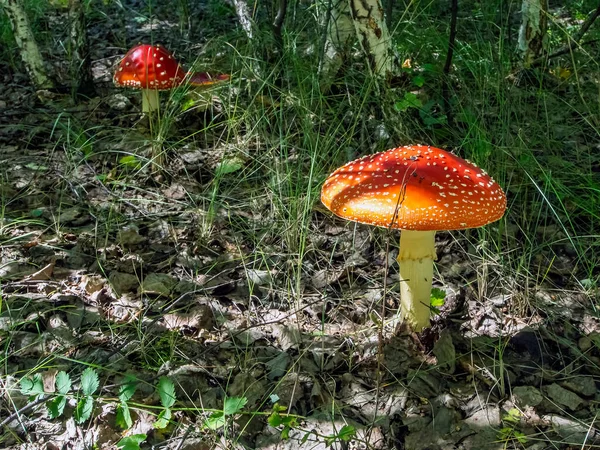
column 416, row 256
column 150, row 101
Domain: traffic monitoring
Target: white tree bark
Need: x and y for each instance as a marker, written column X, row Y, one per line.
column 373, row 34
column 533, row 31
column 243, row 14
column 30, row 53
column 337, row 19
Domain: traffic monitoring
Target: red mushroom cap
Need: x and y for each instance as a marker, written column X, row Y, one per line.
column 149, row 67
column 414, row 188
column 203, row 78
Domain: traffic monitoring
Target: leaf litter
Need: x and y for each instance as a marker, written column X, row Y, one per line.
column 156, row 300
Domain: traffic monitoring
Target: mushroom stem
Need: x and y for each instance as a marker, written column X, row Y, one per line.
column 149, row 100
column 416, row 256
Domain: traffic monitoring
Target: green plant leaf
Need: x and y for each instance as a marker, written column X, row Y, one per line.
column 123, row 419
column 347, row 433
column 275, row 419
column 130, row 161
column 56, row 406
column 131, row 442
column 36, row 167
column 32, row 386
column 419, row 81
column 89, row 381
column 163, row 419
column 84, row 409
column 166, row 392
column 233, row 405
column 63, row 382
column 128, row 388
column 215, row 421
column 438, row 297
column 410, row 100
column 230, row 165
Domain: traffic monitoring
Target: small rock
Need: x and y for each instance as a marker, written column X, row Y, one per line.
column 571, row 431
column 118, row 102
column 581, row 385
column 527, row 395
column 563, row 397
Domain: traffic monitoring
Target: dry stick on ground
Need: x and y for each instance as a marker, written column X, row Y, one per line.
column 575, row 39
column 448, row 64
column 23, row 410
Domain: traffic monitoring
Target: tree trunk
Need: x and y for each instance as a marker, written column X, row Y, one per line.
column 373, row 34
column 243, row 14
column 340, row 33
column 81, row 74
column 533, row 32
column 30, row 53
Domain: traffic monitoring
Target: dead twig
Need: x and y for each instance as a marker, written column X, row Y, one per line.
column 449, row 57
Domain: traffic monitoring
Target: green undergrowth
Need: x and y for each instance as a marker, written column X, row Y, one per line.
column 271, row 136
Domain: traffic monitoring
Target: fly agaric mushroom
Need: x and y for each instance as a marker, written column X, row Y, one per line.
column 419, row 190
column 153, row 68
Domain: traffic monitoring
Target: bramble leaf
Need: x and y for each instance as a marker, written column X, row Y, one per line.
column 63, row 382
column 128, row 388
column 233, row 405
column 84, row 409
column 215, row 421
column 123, row 419
column 163, row 419
column 166, row 392
column 32, row 386
column 89, row 381
column 131, row 442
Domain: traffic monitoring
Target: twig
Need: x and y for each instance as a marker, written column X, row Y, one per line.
column 448, row 63
column 23, row 410
column 577, row 36
column 451, row 37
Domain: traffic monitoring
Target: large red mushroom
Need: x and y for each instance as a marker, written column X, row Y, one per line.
column 419, row 190
column 152, row 68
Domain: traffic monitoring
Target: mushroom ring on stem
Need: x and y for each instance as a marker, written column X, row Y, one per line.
column 153, row 68
column 419, row 190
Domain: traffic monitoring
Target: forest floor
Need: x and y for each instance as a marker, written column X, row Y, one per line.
column 222, row 273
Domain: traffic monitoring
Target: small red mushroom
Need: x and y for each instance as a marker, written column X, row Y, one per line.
column 153, row 68
column 420, row 190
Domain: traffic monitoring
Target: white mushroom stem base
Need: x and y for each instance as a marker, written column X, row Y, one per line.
column 416, row 256
column 149, row 100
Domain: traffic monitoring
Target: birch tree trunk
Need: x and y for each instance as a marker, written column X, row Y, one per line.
column 340, row 34
column 81, row 73
column 30, row 53
column 243, row 14
column 533, row 31
column 373, row 34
